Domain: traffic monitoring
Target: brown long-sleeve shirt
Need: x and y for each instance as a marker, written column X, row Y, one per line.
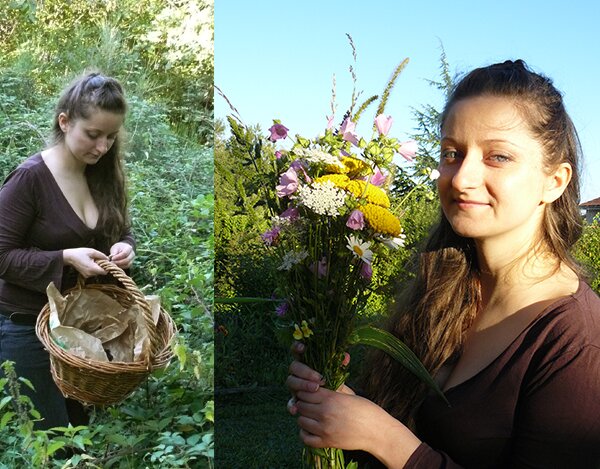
column 537, row 405
column 36, row 225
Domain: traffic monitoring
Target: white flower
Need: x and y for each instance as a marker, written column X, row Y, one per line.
column 393, row 243
column 360, row 248
column 291, row 258
column 434, row 174
column 322, row 198
column 317, row 156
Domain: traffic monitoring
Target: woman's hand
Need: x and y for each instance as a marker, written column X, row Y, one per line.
column 122, row 254
column 82, row 259
column 341, row 419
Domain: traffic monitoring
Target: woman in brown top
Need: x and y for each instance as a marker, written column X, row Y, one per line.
column 498, row 313
column 60, row 210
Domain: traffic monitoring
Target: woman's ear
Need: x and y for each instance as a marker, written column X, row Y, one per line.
column 557, row 182
column 63, row 121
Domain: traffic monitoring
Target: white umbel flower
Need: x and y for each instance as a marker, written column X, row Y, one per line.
column 291, row 258
column 323, row 198
column 317, row 156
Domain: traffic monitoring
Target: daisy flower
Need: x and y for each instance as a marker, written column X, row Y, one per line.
column 360, row 248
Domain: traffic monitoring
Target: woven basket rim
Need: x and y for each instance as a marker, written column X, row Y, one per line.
column 68, row 368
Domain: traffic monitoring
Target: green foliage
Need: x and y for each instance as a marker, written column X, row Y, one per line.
column 426, row 134
column 417, row 216
column 245, row 340
column 587, row 252
column 161, row 50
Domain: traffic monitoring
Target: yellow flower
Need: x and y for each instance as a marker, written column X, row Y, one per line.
column 373, row 194
column 351, row 166
column 302, row 331
column 339, row 180
column 381, row 220
column 306, row 332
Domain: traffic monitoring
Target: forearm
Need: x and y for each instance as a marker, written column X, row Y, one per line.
column 391, row 442
column 31, row 268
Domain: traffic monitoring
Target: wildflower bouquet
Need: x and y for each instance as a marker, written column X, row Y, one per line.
column 332, row 220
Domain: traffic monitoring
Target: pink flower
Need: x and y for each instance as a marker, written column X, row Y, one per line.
column 408, row 149
column 320, row 268
column 282, row 309
column 346, row 360
column 347, row 130
column 278, row 131
column 292, row 213
column 383, row 124
column 270, row 236
column 356, row 220
column 278, row 154
column 366, row 271
column 288, row 183
column 378, row 178
column 330, row 121
column 299, row 166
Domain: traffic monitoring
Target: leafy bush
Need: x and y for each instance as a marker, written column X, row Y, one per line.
column 587, row 251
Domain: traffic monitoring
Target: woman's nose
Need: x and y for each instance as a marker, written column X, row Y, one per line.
column 102, row 145
column 469, row 172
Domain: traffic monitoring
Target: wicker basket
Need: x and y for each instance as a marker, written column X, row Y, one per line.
column 104, row 383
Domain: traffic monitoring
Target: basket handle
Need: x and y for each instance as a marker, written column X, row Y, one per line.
column 138, row 298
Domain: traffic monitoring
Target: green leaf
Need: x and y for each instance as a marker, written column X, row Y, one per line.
column 5, row 400
column 54, row 447
column 5, row 419
column 209, row 411
column 383, row 340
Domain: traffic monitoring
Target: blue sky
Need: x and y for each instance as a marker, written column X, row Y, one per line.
column 275, row 60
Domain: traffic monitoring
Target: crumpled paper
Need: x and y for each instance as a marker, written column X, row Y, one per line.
column 90, row 324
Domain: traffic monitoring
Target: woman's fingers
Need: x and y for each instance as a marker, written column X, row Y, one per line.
column 297, row 350
column 310, row 439
column 295, row 384
column 304, row 397
column 303, row 371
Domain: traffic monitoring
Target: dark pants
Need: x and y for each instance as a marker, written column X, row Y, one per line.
column 19, row 344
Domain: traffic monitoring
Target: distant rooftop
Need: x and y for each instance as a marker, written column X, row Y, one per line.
column 591, row 203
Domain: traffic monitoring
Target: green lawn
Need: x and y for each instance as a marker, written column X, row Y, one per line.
column 253, row 430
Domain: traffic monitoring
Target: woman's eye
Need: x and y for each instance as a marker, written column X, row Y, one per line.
column 500, row 158
column 92, row 136
column 449, row 154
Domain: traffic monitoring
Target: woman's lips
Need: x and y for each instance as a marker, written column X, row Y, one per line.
column 469, row 204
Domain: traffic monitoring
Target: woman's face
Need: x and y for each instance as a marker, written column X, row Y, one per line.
column 492, row 184
column 89, row 139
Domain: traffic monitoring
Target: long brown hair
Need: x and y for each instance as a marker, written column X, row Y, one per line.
column 106, row 179
column 440, row 305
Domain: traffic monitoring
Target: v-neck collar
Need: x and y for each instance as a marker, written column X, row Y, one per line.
column 73, row 220
column 552, row 306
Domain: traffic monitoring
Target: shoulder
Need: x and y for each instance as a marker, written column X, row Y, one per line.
column 33, row 165
column 568, row 332
column 573, row 320
column 30, row 170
